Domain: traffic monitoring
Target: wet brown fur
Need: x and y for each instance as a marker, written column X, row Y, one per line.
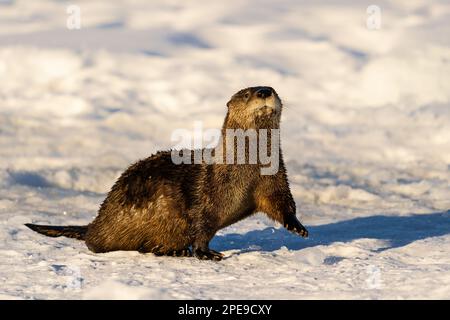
column 164, row 208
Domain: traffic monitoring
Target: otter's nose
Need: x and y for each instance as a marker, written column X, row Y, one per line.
column 264, row 92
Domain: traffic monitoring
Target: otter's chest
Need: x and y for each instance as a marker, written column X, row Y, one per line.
column 234, row 200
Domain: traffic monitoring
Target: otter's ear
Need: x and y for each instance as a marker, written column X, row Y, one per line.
column 229, row 104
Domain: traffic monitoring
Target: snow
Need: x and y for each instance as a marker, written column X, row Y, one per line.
column 365, row 135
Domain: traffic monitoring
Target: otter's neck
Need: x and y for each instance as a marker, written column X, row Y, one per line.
column 261, row 140
column 256, row 124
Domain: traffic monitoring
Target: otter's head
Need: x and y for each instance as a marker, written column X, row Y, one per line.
column 255, row 107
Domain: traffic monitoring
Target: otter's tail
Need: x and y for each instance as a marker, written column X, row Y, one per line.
column 77, row 232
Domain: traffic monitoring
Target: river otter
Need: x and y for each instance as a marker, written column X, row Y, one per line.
column 165, row 208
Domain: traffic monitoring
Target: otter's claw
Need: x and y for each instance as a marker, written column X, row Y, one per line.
column 303, row 232
column 182, row 253
column 208, row 254
column 300, row 230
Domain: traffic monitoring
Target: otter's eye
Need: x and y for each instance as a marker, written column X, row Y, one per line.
column 247, row 95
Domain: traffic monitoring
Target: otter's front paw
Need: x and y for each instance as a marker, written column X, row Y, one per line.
column 302, row 232
column 297, row 228
column 208, row 254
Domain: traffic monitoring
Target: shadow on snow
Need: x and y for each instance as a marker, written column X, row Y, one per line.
column 398, row 231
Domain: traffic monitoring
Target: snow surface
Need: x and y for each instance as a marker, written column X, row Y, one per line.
column 365, row 132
